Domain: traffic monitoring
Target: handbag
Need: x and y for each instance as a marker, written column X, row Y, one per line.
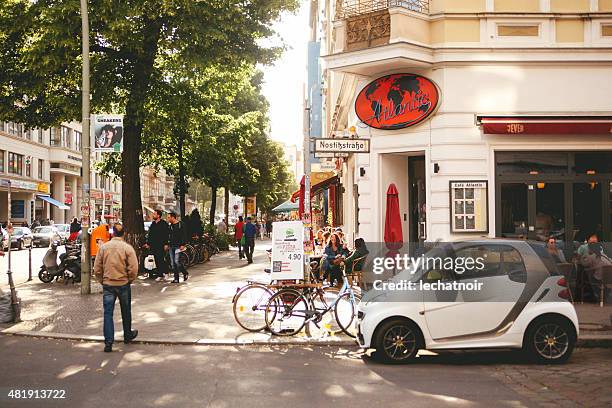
column 243, row 240
column 149, row 263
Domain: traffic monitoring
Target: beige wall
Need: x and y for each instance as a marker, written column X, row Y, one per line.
column 517, row 5
column 455, row 31
column 605, row 5
column 570, row 5
column 570, row 31
column 404, row 27
column 455, row 6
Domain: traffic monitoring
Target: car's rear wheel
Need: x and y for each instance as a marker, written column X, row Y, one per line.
column 397, row 341
column 550, row 340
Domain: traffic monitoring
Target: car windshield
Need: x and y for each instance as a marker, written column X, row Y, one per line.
column 43, row 230
column 18, row 231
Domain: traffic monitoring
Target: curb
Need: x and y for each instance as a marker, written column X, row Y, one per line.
column 185, row 342
column 585, row 341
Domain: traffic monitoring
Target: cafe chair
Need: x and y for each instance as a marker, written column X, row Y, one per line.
column 606, row 281
column 356, row 277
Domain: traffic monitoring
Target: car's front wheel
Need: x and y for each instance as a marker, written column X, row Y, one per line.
column 550, row 340
column 397, row 341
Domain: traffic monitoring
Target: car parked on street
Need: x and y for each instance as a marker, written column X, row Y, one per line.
column 21, row 238
column 522, row 303
column 64, row 232
column 43, row 236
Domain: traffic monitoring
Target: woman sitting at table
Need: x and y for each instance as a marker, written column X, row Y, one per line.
column 360, row 252
column 333, row 258
column 554, row 251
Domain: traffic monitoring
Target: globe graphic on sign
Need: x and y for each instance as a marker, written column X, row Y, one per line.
column 396, row 101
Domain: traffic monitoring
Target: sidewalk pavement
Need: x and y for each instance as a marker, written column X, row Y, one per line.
column 198, row 311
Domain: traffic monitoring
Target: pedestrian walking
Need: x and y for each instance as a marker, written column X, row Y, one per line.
column 269, row 227
column 177, row 238
column 250, row 232
column 116, row 267
column 238, row 233
column 197, row 228
column 99, row 236
column 157, row 243
column 221, row 227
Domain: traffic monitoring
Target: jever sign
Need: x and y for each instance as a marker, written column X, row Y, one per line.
column 397, row 101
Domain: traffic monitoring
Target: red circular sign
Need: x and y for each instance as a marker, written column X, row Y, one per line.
column 397, row 101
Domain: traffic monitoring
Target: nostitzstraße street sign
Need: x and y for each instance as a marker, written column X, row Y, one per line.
column 344, row 145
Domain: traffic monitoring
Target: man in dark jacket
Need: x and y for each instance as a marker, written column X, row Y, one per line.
column 250, row 232
column 157, row 242
column 177, row 239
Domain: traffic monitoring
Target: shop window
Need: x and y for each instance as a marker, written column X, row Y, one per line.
column 592, row 163
column 15, row 165
column 41, row 168
column 531, row 163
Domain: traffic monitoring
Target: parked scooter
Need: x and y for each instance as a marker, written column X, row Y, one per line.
column 69, row 267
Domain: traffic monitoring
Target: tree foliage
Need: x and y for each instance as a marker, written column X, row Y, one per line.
column 142, row 52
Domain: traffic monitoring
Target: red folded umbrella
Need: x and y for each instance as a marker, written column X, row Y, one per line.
column 393, row 222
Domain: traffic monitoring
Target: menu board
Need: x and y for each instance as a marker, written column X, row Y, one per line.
column 287, row 250
column 469, row 206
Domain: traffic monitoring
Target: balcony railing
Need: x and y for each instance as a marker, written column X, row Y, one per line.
column 351, row 8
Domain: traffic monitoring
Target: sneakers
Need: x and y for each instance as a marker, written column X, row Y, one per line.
column 132, row 336
column 185, row 276
column 175, row 281
column 108, row 347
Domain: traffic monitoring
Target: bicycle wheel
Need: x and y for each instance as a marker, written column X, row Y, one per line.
column 286, row 312
column 322, row 323
column 183, row 259
column 250, row 307
column 345, row 311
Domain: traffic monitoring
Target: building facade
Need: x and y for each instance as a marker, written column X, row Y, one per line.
column 519, row 143
column 44, row 168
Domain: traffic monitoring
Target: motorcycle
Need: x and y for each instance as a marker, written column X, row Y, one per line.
column 69, row 267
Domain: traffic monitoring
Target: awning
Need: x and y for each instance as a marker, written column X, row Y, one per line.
column 545, row 125
column 56, row 203
column 287, row 206
column 315, row 188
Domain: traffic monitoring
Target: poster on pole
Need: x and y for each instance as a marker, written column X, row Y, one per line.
column 287, row 250
column 108, row 133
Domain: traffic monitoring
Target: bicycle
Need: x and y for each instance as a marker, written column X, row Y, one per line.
column 288, row 311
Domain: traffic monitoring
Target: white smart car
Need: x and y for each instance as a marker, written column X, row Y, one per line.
column 516, row 298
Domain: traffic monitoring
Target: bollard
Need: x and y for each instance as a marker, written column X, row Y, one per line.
column 30, row 263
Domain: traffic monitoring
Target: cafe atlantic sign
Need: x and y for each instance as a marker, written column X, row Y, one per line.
column 397, row 101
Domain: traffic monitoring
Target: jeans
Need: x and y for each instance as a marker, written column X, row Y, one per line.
column 110, row 294
column 240, row 250
column 249, row 247
column 175, row 263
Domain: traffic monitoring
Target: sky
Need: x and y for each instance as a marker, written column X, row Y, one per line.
column 284, row 81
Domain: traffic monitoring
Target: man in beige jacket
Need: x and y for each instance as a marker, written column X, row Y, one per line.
column 116, row 267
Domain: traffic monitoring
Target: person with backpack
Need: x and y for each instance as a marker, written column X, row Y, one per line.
column 177, row 238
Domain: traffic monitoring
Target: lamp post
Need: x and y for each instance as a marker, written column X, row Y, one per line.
column 86, row 209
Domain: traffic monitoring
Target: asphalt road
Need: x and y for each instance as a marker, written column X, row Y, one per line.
column 20, row 265
column 197, row 376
